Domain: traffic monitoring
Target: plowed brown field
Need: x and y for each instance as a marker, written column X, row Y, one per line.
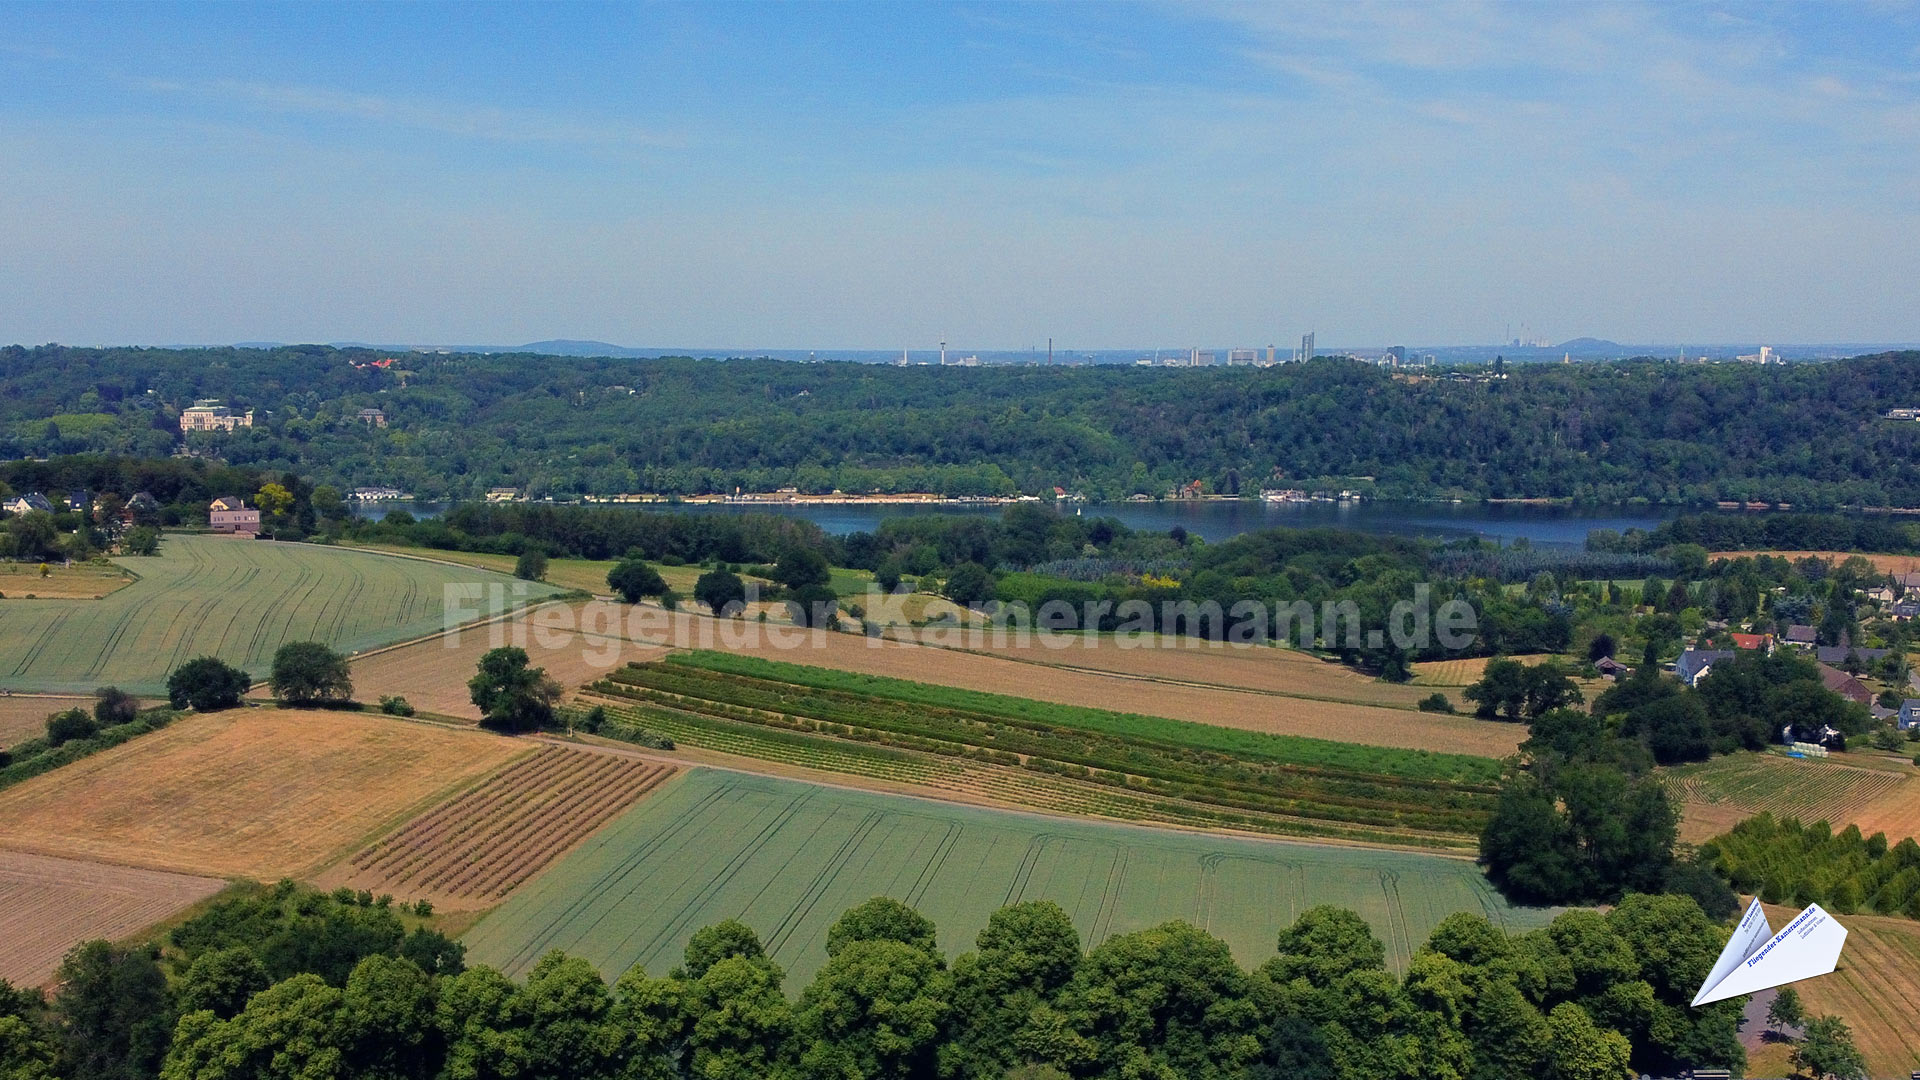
column 261, row 793
column 476, row 848
column 49, row 905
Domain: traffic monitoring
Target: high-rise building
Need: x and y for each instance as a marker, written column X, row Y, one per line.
column 1241, row 357
column 1396, row 355
column 1306, row 347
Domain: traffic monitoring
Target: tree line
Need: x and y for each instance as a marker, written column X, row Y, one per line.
column 285, row 982
column 1806, row 434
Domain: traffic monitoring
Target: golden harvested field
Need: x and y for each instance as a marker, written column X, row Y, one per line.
column 1267, row 670
column 474, row 849
column 432, row 674
column 260, row 793
column 1886, row 564
column 587, row 575
column 85, row 581
column 1876, row 989
column 49, row 905
column 1462, row 672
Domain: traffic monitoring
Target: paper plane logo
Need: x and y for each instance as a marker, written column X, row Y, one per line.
column 1757, row 958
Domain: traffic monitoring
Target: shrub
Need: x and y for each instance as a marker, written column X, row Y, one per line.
column 65, row 727
column 1436, row 702
column 113, row 706
column 593, row 720
column 395, row 705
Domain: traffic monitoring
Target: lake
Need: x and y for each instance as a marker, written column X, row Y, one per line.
column 1560, row 525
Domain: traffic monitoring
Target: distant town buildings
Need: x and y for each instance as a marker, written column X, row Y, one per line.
column 1766, row 355
column 207, row 414
column 373, row 417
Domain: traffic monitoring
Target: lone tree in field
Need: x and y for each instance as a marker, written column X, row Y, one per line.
column 512, row 695
column 718, row 589
column 531, row 566
column 306, row 671
column 633, row 579
column 206, row 684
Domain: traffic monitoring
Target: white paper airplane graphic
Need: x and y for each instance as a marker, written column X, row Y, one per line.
column 1756, row 958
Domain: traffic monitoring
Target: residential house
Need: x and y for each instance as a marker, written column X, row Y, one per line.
column 1762, row 642
column 32, row 500
column 207, row 414
column 1881, row 595
column 1904, row 610
column 142, row 505
column 1845, row 685
column 503, row 495
column 78, row 501
column 231, row 514
column 1801, row 635
column 1837, row 654
column 373, row 417
column 1695, row 664
column 1909, row 580
column 1610, row 668
column 1909, row 716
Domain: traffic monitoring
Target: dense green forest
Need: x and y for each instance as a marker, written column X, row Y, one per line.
column 290, row 983
column 1809, row 434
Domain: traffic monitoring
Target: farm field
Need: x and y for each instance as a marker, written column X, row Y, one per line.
column 1461, row 672
column 1877, row 794
column 439, row 675
column 1027, row 753
column 432, row 673
column 49, row 905
column 1886, row 564
column 1267, row 670
column 25, row 717
column 84, row 581
column 475, row 848
column 232, row 598
column 260, row 793
column 587, row 575
column 1876, row 989
column 787, row 858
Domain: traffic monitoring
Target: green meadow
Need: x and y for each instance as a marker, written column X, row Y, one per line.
column 236, row 599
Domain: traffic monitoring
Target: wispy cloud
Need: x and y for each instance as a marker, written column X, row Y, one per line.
column 481, row 122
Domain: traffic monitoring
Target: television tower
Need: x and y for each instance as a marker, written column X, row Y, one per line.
column 943, row 352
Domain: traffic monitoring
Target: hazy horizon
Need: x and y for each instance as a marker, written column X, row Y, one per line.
column 993, row 175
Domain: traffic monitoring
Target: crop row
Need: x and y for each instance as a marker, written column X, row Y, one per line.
column 1154, row 770
column 504, row 830
column 1016, row 784
column 1295, row 750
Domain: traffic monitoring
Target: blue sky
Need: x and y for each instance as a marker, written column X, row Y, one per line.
column 851, row 175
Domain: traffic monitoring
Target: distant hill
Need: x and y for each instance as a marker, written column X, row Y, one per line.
column 565, row 347
column 1591, row 345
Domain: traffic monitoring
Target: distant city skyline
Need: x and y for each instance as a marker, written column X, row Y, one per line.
column 1210, row 175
